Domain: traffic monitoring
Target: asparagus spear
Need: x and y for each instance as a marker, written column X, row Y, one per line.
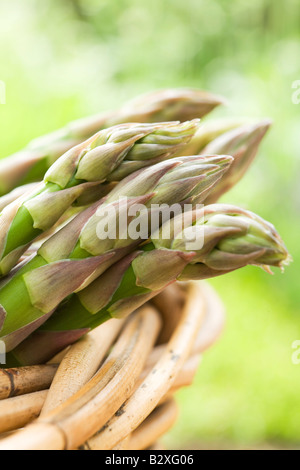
column 109, row 155
column 30, row 164
column 242, row 143
column 235, row 137
column 71, row 258
column 232, row 238
column 207, row 132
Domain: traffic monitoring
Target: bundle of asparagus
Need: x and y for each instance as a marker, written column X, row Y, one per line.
column 48, row 277
column 232, row 238
column 78, row 279
column 109, row 155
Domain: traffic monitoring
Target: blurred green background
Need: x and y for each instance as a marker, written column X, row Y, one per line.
column 62, row 60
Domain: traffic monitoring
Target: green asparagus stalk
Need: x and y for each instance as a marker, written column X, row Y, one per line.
column 75, row 255
column 31, row 164
column 229, row 238
column 109, row 155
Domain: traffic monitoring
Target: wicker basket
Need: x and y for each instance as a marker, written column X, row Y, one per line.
column 114, row 388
